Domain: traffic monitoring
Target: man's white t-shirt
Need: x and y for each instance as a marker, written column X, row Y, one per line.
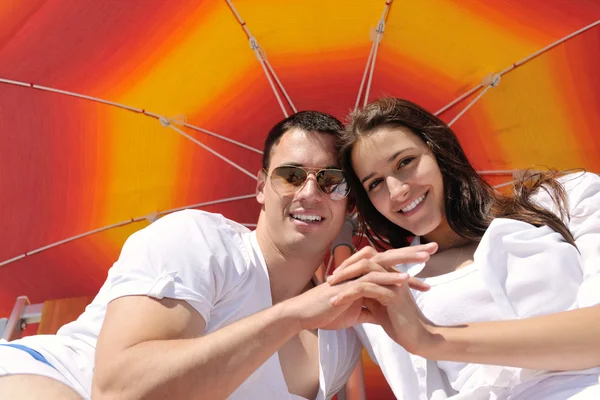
column 216, row 266
column 519, row 271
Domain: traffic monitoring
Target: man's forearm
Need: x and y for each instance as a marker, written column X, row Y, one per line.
column 207, row 367
column 563, row 341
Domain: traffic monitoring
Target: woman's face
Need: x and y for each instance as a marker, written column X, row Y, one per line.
column 401, row 176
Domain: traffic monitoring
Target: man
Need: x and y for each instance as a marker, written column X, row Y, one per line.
column 199, row 307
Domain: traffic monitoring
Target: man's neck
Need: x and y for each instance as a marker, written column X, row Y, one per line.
column 289, row 274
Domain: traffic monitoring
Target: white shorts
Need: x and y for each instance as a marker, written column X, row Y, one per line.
column 16, row 361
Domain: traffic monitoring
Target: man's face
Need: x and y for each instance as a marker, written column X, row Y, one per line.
column 306, row 220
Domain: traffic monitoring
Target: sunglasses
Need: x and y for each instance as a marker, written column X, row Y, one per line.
column 288, row 179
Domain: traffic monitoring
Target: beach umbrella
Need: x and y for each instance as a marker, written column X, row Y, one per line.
column 114, row 113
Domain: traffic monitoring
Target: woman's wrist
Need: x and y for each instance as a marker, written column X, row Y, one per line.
column 433, row 343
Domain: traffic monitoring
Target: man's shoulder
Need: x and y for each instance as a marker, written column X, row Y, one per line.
column 190, row 221
column 200, row 218
column 193, row 232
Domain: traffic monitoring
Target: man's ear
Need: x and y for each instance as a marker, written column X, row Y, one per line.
column 261, row 179
column 350, row 209
column 350, row 205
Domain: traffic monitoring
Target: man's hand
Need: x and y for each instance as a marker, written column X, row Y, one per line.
column 314, row 309
column 392, row 307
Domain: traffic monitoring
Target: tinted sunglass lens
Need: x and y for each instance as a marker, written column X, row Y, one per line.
column 340, row 191
column 333, row 183
column 287, row 179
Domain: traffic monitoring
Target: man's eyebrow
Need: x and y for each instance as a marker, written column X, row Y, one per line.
column 295, row 164
column 389, row 160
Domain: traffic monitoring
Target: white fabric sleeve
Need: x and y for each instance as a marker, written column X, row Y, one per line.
column 339, row 351
column 189, row 255
column 584, row 203
column 534, row 271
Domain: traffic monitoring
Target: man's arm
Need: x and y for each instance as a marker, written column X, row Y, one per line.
column 155, row 349
column 151, row 348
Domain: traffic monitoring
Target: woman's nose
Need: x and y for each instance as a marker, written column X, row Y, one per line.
column 398, row 189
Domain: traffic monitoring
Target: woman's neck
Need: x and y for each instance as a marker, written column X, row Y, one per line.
column 446, row 238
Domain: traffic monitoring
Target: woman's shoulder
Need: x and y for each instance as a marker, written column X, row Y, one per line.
column 579, row 181
column 578, row 187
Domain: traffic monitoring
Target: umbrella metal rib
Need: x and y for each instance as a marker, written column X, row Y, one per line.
column 370, row 67
column 150, row 217
column 464, row 110
column 264, row 62
column 125, row 107
column 510, row 68
column 380, row 29
column 167, row 123
column 364, row 78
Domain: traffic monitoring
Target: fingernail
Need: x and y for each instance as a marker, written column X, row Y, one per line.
column 422, row 254
column 432, row 244
column 403, row 275
column 329, row 279
column 333, row 300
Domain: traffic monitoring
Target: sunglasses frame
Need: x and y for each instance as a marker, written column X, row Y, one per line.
column 308, row 171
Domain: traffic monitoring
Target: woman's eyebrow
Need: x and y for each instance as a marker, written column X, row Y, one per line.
column 392, row 158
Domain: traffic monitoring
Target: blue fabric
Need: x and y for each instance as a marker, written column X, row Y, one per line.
column 31, row 352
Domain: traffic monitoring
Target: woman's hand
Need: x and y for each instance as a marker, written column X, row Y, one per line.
column 368, row 259
column 313, row 309
column 392, row 307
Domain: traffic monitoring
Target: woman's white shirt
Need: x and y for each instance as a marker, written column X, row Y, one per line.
column 519, row 271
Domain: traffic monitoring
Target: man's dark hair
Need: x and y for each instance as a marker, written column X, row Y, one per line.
column 308, row 121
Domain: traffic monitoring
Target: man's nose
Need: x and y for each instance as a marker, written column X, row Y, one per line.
column 310, row 189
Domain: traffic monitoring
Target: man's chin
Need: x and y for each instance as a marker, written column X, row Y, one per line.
column 307, row 242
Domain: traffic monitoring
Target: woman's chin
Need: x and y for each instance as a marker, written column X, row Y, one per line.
column 422, row 229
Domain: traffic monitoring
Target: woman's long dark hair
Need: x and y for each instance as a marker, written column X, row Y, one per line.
column 471, row 204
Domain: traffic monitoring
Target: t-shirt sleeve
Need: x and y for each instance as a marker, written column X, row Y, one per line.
column 561, row 272
column 189, row 255
column 584, row 204
column 339, row 351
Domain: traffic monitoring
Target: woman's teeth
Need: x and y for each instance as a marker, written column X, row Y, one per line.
column 415, row 203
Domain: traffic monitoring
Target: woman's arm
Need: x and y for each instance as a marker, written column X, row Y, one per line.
column 568, row 340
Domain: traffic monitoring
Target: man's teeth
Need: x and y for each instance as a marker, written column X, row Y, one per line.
column 311, row 218
column 412, row 205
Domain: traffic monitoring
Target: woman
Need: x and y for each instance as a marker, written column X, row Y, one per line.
column 515, row 280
